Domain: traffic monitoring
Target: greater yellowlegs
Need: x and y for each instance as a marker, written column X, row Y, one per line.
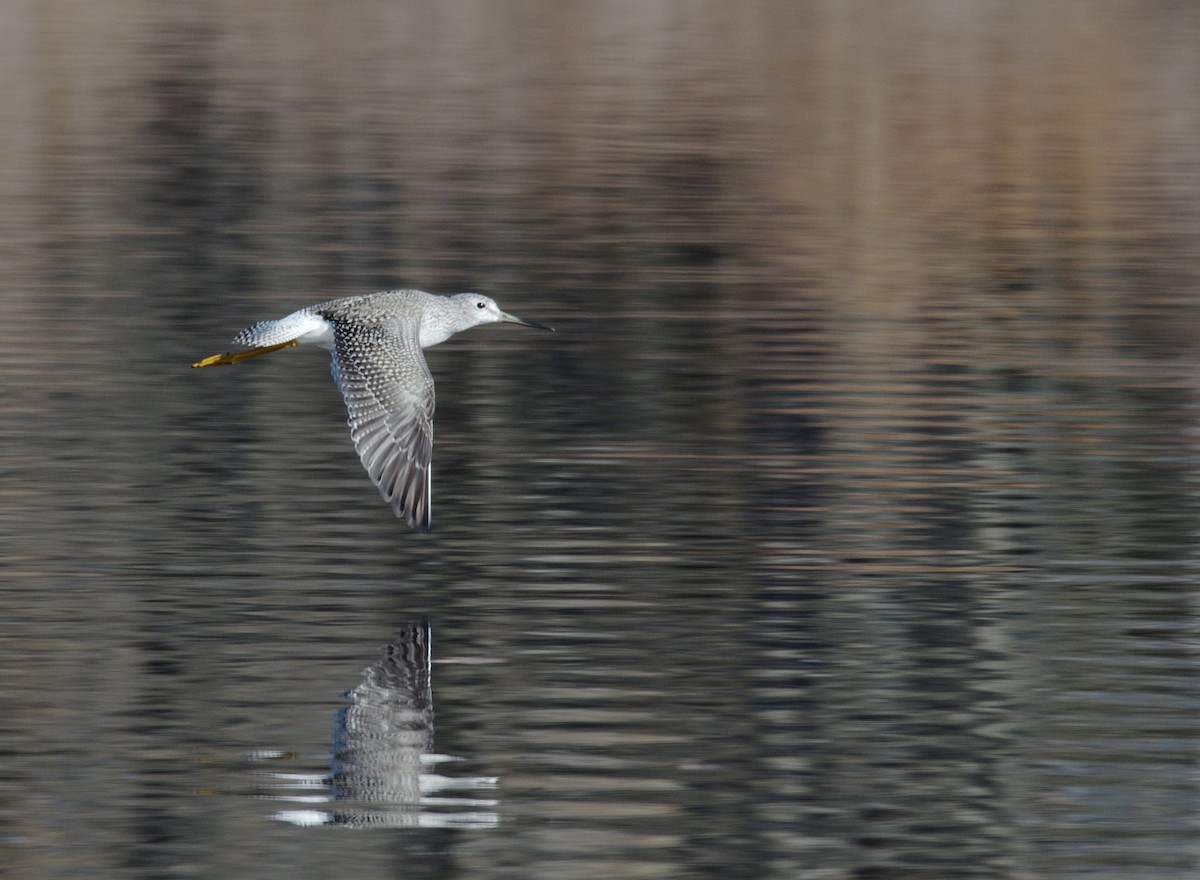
column 376, row 343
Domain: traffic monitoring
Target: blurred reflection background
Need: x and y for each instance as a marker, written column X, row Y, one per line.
column 845, row 529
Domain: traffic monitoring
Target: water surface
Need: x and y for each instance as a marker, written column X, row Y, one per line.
column 844, row 529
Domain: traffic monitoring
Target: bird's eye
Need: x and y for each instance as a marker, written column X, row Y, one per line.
column 481, row 305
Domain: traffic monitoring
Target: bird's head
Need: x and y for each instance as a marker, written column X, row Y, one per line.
column 483, row 310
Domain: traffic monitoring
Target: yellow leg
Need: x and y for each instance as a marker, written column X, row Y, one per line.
column 236, row 357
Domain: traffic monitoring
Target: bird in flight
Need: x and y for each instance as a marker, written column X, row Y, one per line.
column 376, row 343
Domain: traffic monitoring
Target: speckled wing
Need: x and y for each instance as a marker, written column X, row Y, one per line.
column 389, row 396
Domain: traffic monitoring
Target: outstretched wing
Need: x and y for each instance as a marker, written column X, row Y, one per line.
column 389, row 396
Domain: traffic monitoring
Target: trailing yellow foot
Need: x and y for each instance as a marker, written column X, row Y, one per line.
column 236, row 357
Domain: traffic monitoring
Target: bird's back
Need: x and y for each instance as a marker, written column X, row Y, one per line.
column 387, row 306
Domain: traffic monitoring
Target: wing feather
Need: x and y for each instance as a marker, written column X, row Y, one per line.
column 388, row 388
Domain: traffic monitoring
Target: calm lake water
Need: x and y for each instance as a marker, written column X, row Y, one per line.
column 845, row 529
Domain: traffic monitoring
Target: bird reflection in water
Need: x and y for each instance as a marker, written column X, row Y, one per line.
column 383, row 765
